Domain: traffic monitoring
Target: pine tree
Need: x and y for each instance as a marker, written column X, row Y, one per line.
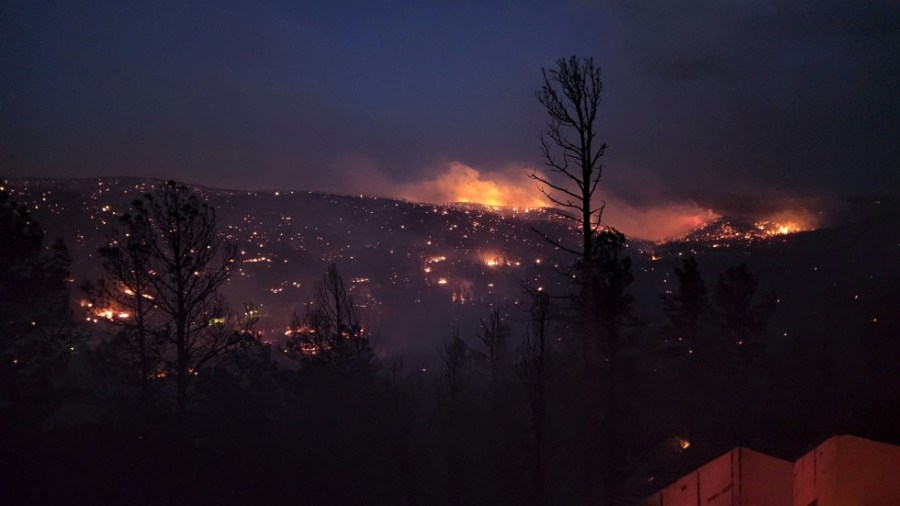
column 37, row 334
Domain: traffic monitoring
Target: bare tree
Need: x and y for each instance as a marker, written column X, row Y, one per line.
column 186, row 263
column 494, row 333
column 331, row 331
column 124, row 297
column 571, row 96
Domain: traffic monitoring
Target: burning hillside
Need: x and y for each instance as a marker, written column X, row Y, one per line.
column 728, row 230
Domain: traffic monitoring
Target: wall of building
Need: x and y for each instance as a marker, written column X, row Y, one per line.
column 740, row 477
column 765, row 480
column 848, row 470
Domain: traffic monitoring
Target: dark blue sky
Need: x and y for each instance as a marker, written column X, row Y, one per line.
column 700, row 95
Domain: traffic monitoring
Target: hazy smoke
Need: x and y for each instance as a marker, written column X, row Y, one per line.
column 794, row 218
column 513, row 188
column 656, row 222
column 461, row 183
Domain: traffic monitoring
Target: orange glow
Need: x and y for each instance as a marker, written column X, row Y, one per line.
column 659, row 222
column 498, row 260
column 111, row 314
column 129, row 291
column 493, row 260
column 257, row 260
column 787, row 222
column 303, row 329
column 95, row 313
column 309, row 349
column 462, row 183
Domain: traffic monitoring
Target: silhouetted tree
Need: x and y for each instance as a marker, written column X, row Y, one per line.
column 125, row 298
column 456, row 358
column 186, row 262
column 36, row 331
column 494, row 334
column 736, row 360
column 571, row 96
column 607, row 283
column 685, row 307
column 742, row 316
column 531, row 366
column 331, row 332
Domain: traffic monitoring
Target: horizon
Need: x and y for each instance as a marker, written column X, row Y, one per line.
column 508, row 252
column 681, row 217
column 352, row 98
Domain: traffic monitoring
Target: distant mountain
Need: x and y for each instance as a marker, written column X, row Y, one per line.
column 416, row 269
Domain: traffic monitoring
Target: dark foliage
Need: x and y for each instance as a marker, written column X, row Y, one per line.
column 331, row 335
column 685, row 307
column 37, row 336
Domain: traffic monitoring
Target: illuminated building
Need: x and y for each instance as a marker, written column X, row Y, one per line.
column 842, row 471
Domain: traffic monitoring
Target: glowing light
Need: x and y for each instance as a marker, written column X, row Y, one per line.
column 442, row 281
column 787, row 222
column 461, row 183
column 497, row 260
column 309, row 349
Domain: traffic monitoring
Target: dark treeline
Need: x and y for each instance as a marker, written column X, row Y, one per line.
column 182, row 402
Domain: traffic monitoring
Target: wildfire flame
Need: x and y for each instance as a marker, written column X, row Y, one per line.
column 95, row 314
column 462, row 183
column 788, row 222
column 658, row 220
column 498, row 260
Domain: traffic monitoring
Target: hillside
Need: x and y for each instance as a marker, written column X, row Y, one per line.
column 416, row 269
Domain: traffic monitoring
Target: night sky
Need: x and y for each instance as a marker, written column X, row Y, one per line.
column 795, row 97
